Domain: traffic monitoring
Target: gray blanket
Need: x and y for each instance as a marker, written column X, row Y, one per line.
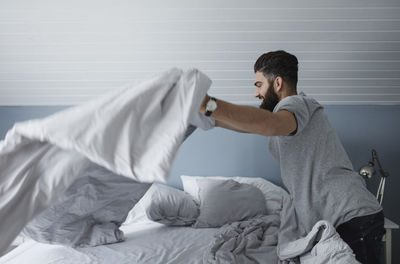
column 251, row 241
column 90, row 212
column 278, row 238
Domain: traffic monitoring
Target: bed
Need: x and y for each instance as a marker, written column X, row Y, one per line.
column 154, row 232
column 213, row 220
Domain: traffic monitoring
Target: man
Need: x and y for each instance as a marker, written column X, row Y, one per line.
column 315, row 168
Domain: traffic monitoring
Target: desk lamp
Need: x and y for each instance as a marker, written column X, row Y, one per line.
column 368, row 170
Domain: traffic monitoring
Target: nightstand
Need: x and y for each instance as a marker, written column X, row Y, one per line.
column 387, row 238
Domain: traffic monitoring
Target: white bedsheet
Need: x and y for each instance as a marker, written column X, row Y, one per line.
column 146, row 242
column 134, row 132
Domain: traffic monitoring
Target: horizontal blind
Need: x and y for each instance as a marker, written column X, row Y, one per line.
column 68, row 52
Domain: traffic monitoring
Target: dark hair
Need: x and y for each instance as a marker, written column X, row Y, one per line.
column 278, row 63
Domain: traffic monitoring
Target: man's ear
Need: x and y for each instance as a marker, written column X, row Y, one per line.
column 278, row 84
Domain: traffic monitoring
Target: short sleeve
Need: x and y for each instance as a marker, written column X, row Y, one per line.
column 297, row 106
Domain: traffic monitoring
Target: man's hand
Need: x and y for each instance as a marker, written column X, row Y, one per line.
column 203, row 104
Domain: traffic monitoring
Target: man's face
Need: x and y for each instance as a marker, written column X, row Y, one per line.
column 265, row 92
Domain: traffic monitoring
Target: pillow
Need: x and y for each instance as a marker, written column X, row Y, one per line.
column 90, row 211
column 227, row 201
column 165, row 205
column 273, row 194
column 138, row 213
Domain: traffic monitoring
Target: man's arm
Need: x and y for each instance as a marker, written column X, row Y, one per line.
column 250, row 119
column 224, row 125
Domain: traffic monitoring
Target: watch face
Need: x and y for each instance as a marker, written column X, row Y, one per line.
column 211, row 105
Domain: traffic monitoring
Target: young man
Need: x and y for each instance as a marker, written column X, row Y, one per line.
column 315, row 168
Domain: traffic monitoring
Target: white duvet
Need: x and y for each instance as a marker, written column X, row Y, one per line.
column 134, row 132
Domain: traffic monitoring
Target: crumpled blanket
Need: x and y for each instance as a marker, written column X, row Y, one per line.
column 278, row 238
column 250, row 241
column 134, row 132
column 90, row 211
column 321, row 245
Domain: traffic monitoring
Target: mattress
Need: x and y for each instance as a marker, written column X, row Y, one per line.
column 146, row 242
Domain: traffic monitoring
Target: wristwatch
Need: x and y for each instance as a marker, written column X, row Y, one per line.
column 211, row 106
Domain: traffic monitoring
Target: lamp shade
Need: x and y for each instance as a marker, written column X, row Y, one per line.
column 367, row 170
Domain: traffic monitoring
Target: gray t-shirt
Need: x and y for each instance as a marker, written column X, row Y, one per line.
column 316, row 170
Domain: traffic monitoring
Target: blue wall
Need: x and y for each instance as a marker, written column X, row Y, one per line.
column 226, row 153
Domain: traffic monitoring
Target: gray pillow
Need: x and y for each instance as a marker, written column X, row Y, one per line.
column 90, row 212
column 227, row 201
column 170, row 206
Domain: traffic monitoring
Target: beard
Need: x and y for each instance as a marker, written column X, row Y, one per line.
column 270, row 100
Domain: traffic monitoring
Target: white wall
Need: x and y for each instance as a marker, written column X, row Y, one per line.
column 65, row 52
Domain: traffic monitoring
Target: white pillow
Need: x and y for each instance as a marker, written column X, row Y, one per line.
column 138, row 213
column 273, row 194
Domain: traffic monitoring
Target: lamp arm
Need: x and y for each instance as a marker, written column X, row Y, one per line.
column 375, row 157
